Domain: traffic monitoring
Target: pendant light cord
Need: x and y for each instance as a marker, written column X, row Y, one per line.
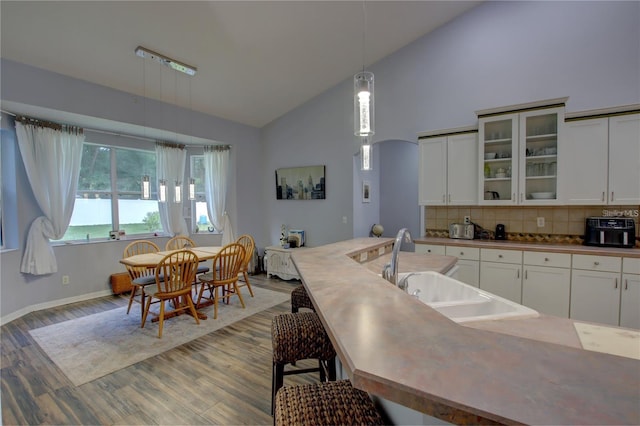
column 364, row 33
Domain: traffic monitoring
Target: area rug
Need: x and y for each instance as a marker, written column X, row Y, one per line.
column 96, row 345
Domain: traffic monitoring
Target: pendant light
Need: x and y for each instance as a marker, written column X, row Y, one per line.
column 146, row 188
column 177, row 194
column 366, row 157
column 192, row 189
column 363, row 98
column 162, row 191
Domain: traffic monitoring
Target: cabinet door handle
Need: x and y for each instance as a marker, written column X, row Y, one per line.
column 521, row 197
column 443, row 199
column 525, row 273
column 603, row 196
column 518, row 276
column 626, row 284
column 449, row 197
column 616, row 281
column 611, row 195
column 513, row 196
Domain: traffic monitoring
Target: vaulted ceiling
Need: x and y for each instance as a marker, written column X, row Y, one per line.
column 256, row 60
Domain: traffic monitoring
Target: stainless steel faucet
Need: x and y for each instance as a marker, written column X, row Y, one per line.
column 390, row 270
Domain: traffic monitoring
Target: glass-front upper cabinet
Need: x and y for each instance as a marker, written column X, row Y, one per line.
column 539, row 132
column 498, row 159
column 518, row 155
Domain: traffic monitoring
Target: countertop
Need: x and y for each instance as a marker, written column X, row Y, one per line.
column 519, row 245
column 393, row 346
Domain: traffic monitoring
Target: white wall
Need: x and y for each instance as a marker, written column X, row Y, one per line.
column 499, row 53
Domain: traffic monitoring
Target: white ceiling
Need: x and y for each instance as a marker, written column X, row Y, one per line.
column 256, row 60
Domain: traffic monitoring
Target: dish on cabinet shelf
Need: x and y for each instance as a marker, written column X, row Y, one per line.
column 543, row 195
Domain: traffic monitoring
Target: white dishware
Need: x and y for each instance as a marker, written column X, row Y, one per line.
column 543, row 195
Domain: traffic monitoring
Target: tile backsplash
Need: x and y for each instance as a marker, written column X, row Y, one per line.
column 561, row 223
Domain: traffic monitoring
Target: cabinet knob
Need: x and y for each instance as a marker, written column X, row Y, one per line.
column 461, row 253
column 546, row 259
column 596, row 263
column 500, row 256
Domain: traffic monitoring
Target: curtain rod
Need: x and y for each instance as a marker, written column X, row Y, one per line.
column 143, row 138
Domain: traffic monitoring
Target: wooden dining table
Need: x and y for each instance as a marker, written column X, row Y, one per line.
column 152, row 260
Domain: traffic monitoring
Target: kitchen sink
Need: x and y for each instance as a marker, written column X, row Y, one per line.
column 459, row 301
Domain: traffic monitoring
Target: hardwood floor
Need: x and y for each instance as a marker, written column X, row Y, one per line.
column 221, row 378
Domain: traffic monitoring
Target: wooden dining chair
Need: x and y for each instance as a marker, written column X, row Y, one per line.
column 141, row 276
column 180, row 242
column 249, row 245
column 225, row 270
column 173, row 278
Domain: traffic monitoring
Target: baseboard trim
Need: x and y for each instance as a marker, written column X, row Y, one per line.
column 51, row 304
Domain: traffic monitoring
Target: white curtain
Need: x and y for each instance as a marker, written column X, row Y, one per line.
column 216, row 177
column 51, row 156
column 170, row 164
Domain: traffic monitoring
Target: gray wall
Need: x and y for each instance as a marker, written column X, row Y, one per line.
column 499, row 53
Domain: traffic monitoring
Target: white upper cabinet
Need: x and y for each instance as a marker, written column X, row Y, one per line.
column 624, row 159
column 518, row 157
column 448, row 170
column 586, row 143
column 605, row 166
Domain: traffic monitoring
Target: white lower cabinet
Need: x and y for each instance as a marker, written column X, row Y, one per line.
column 595, row 289
column 547, row 282
column 595, row 296
column 468, row 263
column 429, row 249
column 630, row 293
column 501, row 274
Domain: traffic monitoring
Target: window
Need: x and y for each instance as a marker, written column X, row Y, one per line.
column 200, row 218
column 109, row 174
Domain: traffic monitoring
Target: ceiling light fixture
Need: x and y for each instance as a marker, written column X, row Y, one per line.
column 363, row 100
column 143, row 52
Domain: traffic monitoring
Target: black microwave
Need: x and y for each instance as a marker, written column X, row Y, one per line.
column 610, row 232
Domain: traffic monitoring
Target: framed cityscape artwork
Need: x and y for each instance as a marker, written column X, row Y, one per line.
column 300, row 183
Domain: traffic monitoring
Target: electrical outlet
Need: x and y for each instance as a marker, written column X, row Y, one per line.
column 65, row 279
column 541, row 222
column 467, row 219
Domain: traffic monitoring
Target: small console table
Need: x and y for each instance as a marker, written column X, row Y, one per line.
column 279, row 262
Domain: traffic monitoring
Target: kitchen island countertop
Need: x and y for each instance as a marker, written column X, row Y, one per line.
column 397, row 348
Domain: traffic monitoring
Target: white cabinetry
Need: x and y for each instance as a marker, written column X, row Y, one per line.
column 279, row 262
column 429, row 249
column 595, row 289
column 468, row 263
column 630, row 293
column 608, row 169
column 547, row 282
column 501, row 273
column 448, row 169
column 518, row 157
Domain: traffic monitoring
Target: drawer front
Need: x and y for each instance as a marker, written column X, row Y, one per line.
column 631, row 265
column 502, row 256
column 468, row 253
column 429, row 249
column 539, row 258
column 597, row 263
